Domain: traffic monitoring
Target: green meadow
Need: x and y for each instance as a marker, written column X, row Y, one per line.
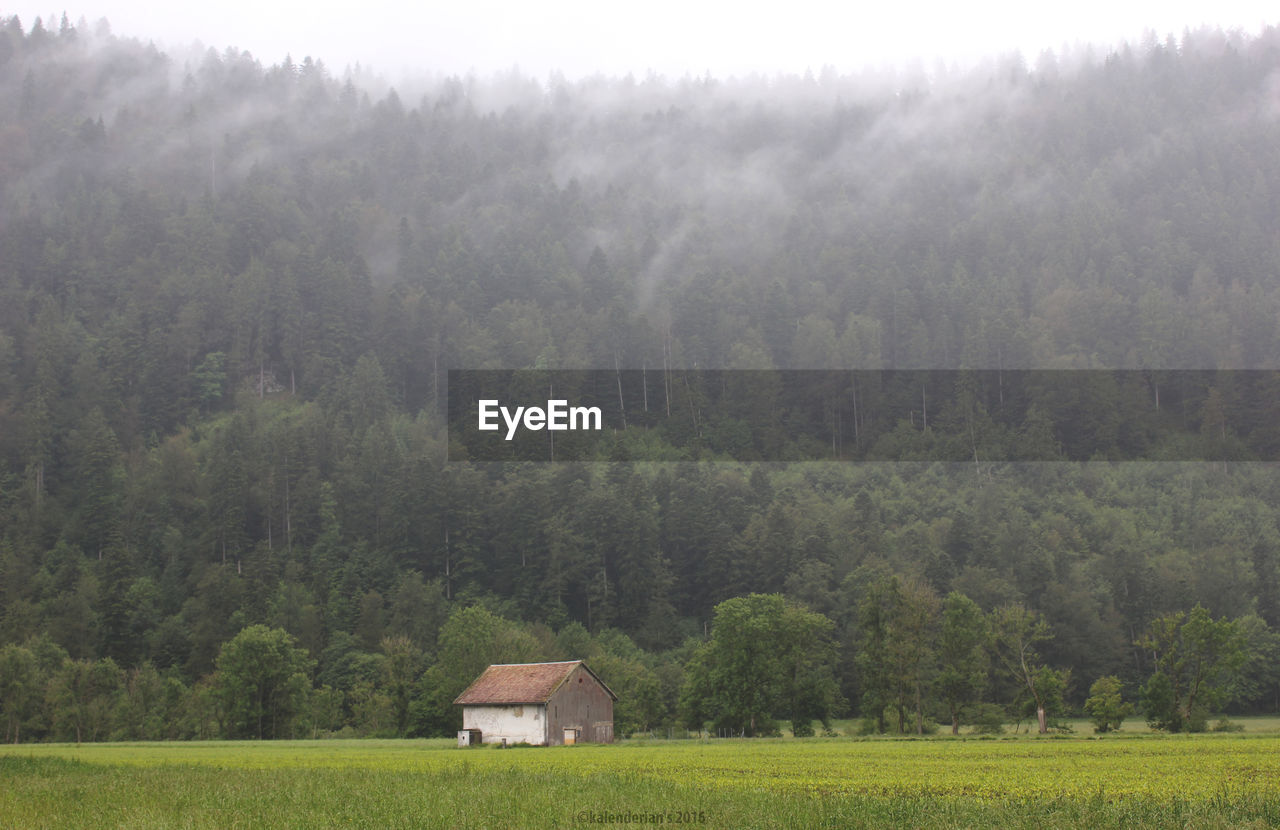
column 1128, row 780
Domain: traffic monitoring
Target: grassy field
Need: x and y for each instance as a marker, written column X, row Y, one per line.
column 1133, row 780
column 1083, row 727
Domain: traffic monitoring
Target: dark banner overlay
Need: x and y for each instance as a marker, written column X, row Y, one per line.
column 864, row 415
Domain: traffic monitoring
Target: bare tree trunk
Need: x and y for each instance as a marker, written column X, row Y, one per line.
column 288, row 522
column 622, row 407
column 1040, row 717
column 271, row 483
column 856, row 436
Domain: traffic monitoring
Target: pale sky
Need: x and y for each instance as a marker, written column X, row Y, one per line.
column 671, row 38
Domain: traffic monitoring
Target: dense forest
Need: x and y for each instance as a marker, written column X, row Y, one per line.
column 230, row 295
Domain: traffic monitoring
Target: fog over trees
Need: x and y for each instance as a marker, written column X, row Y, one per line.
column 230, row 292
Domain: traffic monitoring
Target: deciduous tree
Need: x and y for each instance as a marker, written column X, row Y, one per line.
column 765, row 657
column 261, row 682
column 19, row 688
column 963, row 645
column 1105, row 705
column 1016, row 633
column 1195, row 659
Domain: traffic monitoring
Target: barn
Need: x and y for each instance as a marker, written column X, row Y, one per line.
column 538, row 703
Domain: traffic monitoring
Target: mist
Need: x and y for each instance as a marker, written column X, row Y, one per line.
column 577, row 40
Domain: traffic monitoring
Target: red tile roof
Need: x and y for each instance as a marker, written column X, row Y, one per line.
column 521, row 683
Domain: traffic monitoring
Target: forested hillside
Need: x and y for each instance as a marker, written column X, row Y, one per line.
column 230, row 294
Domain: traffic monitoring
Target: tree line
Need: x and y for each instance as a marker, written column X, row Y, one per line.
column 917, row 661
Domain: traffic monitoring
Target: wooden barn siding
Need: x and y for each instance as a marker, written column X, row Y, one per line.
column 582, row 704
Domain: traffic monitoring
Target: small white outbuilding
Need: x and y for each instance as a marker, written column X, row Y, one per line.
column 538, row 703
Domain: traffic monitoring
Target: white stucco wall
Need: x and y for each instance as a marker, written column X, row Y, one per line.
column 526, row 723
